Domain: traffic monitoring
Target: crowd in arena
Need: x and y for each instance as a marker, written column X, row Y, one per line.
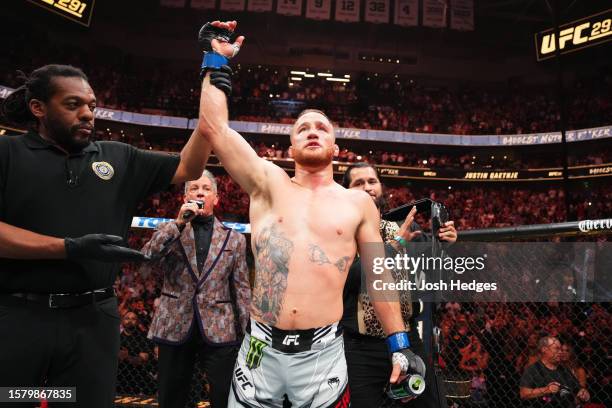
column 486, row 346
column 368, row 101
column 481, row 341
column 470, row 207
column 489, row 345
column 406, row 156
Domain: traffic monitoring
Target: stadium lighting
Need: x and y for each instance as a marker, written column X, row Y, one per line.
column 338, row 79
column 324, row 74
column 309, row 76
column 298, row 73
column 347, row 76
column 296, row 78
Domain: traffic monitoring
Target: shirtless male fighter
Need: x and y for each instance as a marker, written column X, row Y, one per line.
column 305, row 231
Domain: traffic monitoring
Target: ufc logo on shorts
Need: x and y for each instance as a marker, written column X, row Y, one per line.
column 242, row 379
column 291, row 339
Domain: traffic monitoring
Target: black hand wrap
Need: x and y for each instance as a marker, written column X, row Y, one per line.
column 398, row 344
column 414, row 362
column 208, row 32
column 101, row 247
column 222, row 79
column 215, row 63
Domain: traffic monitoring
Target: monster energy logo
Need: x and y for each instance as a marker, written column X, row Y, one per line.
column 255, row 354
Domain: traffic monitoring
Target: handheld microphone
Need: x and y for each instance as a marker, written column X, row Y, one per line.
column 188, row 214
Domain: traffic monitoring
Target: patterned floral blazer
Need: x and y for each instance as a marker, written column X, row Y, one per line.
column 217, row 298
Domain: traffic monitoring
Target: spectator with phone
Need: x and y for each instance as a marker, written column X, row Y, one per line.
column 547, row 383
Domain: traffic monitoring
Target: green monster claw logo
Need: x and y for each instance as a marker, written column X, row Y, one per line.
column 255, row 354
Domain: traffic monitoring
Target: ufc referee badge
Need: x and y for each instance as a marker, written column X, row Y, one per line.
column 103, row 170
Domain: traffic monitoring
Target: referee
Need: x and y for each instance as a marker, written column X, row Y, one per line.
column 66, row 204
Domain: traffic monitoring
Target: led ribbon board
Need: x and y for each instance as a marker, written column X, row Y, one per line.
column 79, row 11
column 575, row 36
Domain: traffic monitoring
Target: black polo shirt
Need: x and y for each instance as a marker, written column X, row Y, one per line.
column 95, row 191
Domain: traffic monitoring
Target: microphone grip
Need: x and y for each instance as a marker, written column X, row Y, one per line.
column 188, row 214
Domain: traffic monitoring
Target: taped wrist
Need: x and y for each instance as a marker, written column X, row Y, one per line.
column 398, row 341
column 212, row 61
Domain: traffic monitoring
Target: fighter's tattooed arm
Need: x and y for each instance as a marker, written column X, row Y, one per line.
column 317, row 255
column 272, row 253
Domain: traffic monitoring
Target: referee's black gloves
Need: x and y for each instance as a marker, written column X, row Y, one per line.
column 101, row 247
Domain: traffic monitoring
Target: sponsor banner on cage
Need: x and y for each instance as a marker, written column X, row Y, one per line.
column 595, row 225
column 152, row 223
column 490, row 272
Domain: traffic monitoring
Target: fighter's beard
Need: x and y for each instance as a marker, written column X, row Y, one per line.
column 314, row 158
column 381, row 203
column 66, row 137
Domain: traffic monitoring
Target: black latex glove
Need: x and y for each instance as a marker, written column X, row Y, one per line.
column 101, row 247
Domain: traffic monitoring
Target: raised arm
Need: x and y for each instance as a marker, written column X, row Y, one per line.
column 236, row 155
column 193, row 158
